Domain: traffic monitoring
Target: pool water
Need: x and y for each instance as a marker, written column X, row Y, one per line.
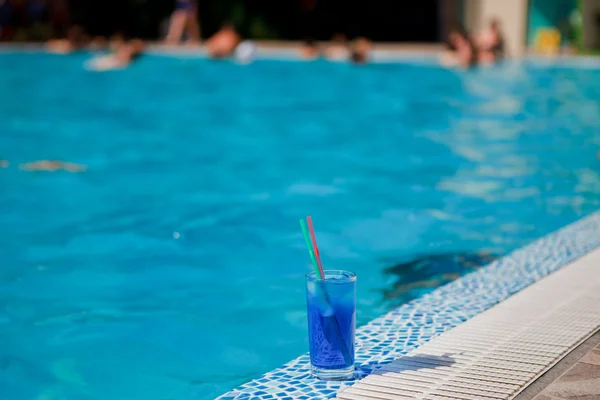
column 173, row 268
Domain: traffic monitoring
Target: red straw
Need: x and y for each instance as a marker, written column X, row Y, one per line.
column 314, row 242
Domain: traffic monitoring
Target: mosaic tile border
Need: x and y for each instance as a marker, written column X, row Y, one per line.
column 417, row 322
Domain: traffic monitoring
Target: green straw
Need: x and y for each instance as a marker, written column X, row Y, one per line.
column 309, row 247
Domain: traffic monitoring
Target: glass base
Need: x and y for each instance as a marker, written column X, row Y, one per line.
column 344, row 374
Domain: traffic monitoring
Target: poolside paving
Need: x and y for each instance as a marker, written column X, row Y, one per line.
column 576, row 377
column 580, row 382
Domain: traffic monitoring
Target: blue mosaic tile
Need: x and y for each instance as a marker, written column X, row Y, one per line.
column 414, row 324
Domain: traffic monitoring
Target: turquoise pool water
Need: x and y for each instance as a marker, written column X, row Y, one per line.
column 173, row 268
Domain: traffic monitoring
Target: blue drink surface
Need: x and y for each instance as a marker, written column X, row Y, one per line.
column 331, row 306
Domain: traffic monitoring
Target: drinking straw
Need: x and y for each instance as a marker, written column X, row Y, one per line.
column 309, row 247
column 314, row 242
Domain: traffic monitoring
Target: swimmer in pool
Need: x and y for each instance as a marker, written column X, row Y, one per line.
column 223, row 43
column 490, row 44
column 309, row 50
column 124, row 55
column 360, row 51
column 52, row 166
column 98, row 43
column 4, row 164
column 115, row 42
column 184, row 21
column 461, row 53
column 338, row 49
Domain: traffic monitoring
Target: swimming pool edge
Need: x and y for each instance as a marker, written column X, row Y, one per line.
column 417, row 322
column 394, row 53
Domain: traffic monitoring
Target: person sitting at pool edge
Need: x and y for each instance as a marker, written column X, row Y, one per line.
column 223, row 43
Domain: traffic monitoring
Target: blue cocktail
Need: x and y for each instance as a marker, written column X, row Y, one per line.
column 331, row 305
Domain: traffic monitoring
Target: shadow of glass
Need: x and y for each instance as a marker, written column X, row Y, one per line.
column 404, row 364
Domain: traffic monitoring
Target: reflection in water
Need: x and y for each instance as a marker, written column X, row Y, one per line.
column 426, row 272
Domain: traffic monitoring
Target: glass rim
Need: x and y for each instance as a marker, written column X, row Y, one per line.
column 347, row 276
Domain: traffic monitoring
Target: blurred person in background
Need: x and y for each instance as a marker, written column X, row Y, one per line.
column 184, row 21
column 223, row 43
column 360, row 51
column 308, row 24
column 461, row 50
column 338, row 48
column 309, row 49
column 98, row 43
column 490, row 44
column 76, row 40
column 116, row 41
column 121, row 58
